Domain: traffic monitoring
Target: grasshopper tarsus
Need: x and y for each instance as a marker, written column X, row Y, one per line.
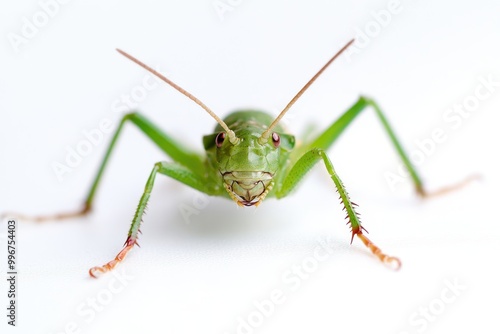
column 448, row 189
column 96, row 271
column 392, row 261
column 54, row 217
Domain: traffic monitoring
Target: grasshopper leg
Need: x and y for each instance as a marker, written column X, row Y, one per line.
column 298, row 171
column 188, row 168
column 327, row 138
column 171, row 147
column 171, row 169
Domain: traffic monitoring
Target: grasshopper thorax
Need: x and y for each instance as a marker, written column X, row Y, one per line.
column 247, row 168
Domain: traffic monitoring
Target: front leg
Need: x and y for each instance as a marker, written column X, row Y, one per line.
column 298, row 171
column 173, row 170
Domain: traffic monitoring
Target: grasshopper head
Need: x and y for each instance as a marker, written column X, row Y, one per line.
column 247, row 167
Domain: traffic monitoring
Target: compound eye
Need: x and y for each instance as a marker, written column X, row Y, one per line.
column 276, row 139
column 220, row 139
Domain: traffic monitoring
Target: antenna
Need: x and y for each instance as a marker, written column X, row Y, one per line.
column 265, row 136
column 232, row 137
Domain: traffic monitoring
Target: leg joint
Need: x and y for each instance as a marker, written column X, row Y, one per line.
column 365, row 99
column 130, row 115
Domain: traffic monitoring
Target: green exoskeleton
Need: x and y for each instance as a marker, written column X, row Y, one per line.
column 249, row 157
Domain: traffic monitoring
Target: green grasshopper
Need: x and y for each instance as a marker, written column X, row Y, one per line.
column 249, row 157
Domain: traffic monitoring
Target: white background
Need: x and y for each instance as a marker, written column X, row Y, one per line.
column 203, row 276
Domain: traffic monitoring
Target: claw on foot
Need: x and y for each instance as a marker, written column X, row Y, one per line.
column 97, row 271
column 391, row 261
